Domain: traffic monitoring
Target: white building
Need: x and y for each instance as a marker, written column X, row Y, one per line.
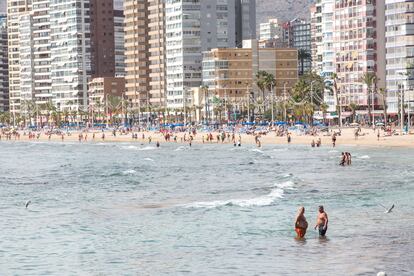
column 70, row 53
column 16, row 8
column 400, row 52
column 4, row 66
column 271, row 30
column 191, row 28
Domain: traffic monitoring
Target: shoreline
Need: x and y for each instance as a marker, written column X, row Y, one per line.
column 346, row 139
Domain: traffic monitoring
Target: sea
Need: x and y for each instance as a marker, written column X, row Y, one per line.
column 212, row 209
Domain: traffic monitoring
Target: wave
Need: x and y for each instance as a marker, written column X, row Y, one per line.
column 257, row 150
column 180, row 148
column 129, row 172
column 149, row 159
column 147, row 148
column 129, row 147
column 364, row 157
column 265, row 200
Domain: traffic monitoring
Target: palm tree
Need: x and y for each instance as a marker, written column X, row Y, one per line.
column 383, row 94
column 303, row 55
column 334, row 88
column 114, row 105
column 324, row 107
column 353, row 107
column 370, row 80
column 261, row 81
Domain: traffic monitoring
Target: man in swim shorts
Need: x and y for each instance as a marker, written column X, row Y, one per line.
column 322, row 222
column 301, row 224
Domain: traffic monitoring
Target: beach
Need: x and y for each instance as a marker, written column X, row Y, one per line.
column 368, row 138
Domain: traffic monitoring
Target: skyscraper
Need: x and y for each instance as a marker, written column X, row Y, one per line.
column 4, row 66
column 192, row 28
column 144, row 52
column 359, row 47
column 70, row 53
column 102, row 38
column 400, row 53
column 245, row 20
column 15, row 9
column 119, row 40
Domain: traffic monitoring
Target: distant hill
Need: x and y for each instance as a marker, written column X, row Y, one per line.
column 282, row 9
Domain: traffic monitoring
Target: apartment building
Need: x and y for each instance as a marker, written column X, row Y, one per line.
column 4, row 66
column 119, row 40
column 145, row 51
column 230, row 73
column 400, row 53
column 102, row 37
column 102, row 88
column 15, row 9
column 359, row 46
column 70, row 53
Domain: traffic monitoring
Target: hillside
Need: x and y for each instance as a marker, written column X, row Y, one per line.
column 282, row 9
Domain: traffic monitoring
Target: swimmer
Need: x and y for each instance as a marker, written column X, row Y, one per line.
column 301, row 224
column 322, row 222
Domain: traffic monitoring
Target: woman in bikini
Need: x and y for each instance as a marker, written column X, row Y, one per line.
column 301, row 224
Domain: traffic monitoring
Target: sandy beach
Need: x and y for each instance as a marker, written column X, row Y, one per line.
column 368, row 138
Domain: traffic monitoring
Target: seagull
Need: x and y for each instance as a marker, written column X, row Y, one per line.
column 27, row 203
column 387, row 211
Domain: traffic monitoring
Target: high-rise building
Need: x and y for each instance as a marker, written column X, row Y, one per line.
column 193, row 27
column 316, row 36
column 400, row 53
column 272, row 29
column 119, row 39
column 144, row 52
column 4, row 66
column 70, row 53
column 299, row 37
column 245, row 20
column 102, row 38
column 15, row 9
column 360, row 48
column 41, row 51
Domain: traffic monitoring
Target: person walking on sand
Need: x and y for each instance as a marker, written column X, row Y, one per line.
column 322, row 222
column 334, row 140
column 300, row 223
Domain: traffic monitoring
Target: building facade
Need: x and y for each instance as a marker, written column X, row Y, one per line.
column 193, row 27
column 359, row 48
column 15, row 9
column 245, row 20
column 400, row 53
column 102, row 88
column 230, row 73
column 102, row 37
column 119, row 40
column 4, row 66
column 70, row 53
column 145, row 52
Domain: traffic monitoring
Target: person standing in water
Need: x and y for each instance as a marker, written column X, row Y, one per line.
column 301, row 224
column 322, row 222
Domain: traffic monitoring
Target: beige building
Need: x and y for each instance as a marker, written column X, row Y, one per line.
column 230, row 73
column 101, row 88
column 144, row 44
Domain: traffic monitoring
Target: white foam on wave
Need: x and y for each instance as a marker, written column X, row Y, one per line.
column 147, row 148
column 364, row 157
column 264, row 200
column 257, row 150
column 180, row 148
column 127, row 172
column 149, row 159
column 282, row 149
column 129, row 147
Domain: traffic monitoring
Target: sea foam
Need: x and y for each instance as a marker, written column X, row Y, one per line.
column 265, row 200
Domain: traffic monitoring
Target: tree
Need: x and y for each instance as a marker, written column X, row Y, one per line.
column 324, row 107
column 114, row 105
column 353, row 107
column 335, row 90
column 370, row 80
column 383, row 94
column 303, row 55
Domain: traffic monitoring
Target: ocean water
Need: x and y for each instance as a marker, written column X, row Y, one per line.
column 132, row 209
